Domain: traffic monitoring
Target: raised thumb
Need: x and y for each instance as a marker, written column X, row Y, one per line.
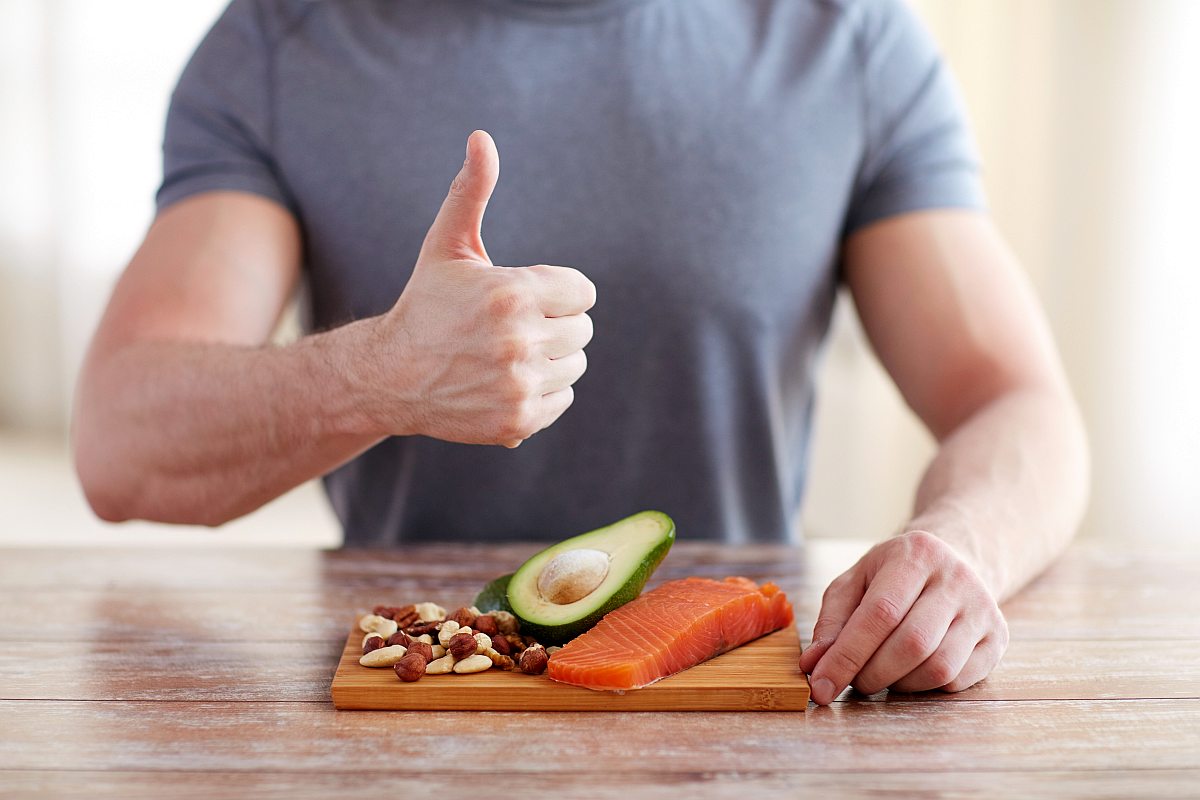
column 455, row 232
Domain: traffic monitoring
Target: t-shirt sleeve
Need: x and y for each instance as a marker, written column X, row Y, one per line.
column 919, row 152
column 218, row 130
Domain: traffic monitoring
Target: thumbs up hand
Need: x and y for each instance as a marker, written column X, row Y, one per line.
column 473, row 352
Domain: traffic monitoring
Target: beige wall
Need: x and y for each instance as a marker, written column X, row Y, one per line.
column 1086, row 114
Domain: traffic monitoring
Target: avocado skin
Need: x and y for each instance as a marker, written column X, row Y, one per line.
column 561, row 634
column 494, row 596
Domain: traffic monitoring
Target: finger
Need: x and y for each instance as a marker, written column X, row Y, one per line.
column 565, row 335
column 550, row 407
column 554, row 404
column 559, row 373
column 916, row 639
column 838, row 603
column 455, row 232
column 886, row 602
column 945, row 663
column 562, row 291
column 983, row 660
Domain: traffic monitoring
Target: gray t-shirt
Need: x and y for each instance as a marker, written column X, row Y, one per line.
column 700, row 160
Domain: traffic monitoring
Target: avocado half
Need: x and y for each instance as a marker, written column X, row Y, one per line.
column 566, row 588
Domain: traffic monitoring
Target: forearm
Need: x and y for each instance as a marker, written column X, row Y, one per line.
column 202, row 433
column 1008, row 486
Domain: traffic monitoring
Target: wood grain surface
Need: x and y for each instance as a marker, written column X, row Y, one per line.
column 207, row 674
column 763, row 675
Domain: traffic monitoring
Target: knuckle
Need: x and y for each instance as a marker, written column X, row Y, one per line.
column 588, row 329
column 527, row 419
column 519, row 422
column 587, row 290
column 939, row 669
column 842, row 664
column 835, row 587
column 923, row 544
column 504, row 302
column 514, row 351
column 887, row 611
column 960, row 574
column 959, row 683
column 917, row 644
column 581, row 365
column 568, row 395
column 519, row 387
column 1000, row 634
column 825, row 628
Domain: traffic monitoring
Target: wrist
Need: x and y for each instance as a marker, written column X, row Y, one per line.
column 354, row 401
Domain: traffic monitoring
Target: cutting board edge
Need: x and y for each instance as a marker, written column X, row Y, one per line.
column 786, row 690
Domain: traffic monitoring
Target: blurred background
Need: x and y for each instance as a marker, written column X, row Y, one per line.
column 1088, row 119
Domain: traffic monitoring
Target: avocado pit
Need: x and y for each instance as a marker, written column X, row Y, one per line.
column 572, row 575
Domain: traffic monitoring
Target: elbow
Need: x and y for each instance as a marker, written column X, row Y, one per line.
column 115, row 499
column 102, row 488
column 120, row 486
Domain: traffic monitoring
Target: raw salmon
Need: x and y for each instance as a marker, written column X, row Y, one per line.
column 668, row 629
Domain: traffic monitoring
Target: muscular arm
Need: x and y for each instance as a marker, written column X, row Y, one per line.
column 956, row 325
column 186, row 414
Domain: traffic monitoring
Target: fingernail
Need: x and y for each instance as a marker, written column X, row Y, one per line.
column 823, row 691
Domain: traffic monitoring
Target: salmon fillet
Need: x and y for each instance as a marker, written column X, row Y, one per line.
column 668, row 629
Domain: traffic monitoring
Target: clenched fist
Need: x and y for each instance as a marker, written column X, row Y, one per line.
column 473, row 352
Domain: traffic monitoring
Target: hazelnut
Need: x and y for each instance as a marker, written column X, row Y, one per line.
column 501, row 645
column 463, row 617
column 411, row 667
column 462, row 645
column 533, row 660
column 486, row 624
column 373, row 641
column 399, row 637
column 422, row 649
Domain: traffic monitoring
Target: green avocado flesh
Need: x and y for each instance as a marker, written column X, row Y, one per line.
column 494, row 596
column 635, row 546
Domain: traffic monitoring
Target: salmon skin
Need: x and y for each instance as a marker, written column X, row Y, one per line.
column 668, row 629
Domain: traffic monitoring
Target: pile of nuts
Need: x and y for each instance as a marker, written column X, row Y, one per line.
column 422, row 639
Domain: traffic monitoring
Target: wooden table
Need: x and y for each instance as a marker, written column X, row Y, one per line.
column 206, row 674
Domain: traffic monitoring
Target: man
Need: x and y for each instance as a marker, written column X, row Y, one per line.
column 711, row 171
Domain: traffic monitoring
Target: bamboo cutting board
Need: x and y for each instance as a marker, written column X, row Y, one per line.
column 760, row 676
